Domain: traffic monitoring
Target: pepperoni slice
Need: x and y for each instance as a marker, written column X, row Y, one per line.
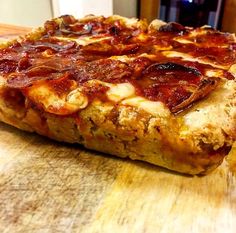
column 173, row 28
column 22, row 80
column 54, row 45
column 175, row 85
column 106, row 70
column 109, row 49
column 7, row 65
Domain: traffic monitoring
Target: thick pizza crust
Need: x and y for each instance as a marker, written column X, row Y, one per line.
column 124, row 131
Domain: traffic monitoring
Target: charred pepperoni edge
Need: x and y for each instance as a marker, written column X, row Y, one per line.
column 65, row 27
column 87, row 29
column 203, row 88
column 53, row 46
column 22, row 81
column 173, row 28
column 7, row 65
column 172, row 66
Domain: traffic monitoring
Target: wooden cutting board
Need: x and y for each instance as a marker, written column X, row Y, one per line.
column 46, row 186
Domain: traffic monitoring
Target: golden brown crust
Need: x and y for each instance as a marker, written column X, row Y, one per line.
column 122, row 131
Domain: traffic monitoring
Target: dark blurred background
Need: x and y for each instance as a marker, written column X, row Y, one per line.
column 191, row 12
column 220, row 14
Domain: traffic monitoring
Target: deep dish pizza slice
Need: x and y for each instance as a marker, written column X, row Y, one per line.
column 162, row 93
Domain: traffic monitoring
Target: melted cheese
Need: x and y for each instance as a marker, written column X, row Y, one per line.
column 155, row 108
column 156, row 24
column 2, row 81
column 42, row 95
column 183, row 40
column 187, row 57
column 186, row 41
column 161, row 47
column 197, row 32
column 214, row 73
column 123, row 58
column 118, row 92
column 232, row 70
column 123, row 93
column 142, row 37
column 84, row 40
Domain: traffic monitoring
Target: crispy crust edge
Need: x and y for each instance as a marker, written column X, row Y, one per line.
column 122, row 131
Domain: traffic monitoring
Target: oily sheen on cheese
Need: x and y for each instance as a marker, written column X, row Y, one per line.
column 123, row 93
column 84, row 41
column 161, row 93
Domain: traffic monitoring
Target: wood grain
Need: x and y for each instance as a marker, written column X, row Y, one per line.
column 46, row 186
column 11, row 31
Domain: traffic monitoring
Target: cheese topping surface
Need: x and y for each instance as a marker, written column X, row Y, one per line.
column 74, row 62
